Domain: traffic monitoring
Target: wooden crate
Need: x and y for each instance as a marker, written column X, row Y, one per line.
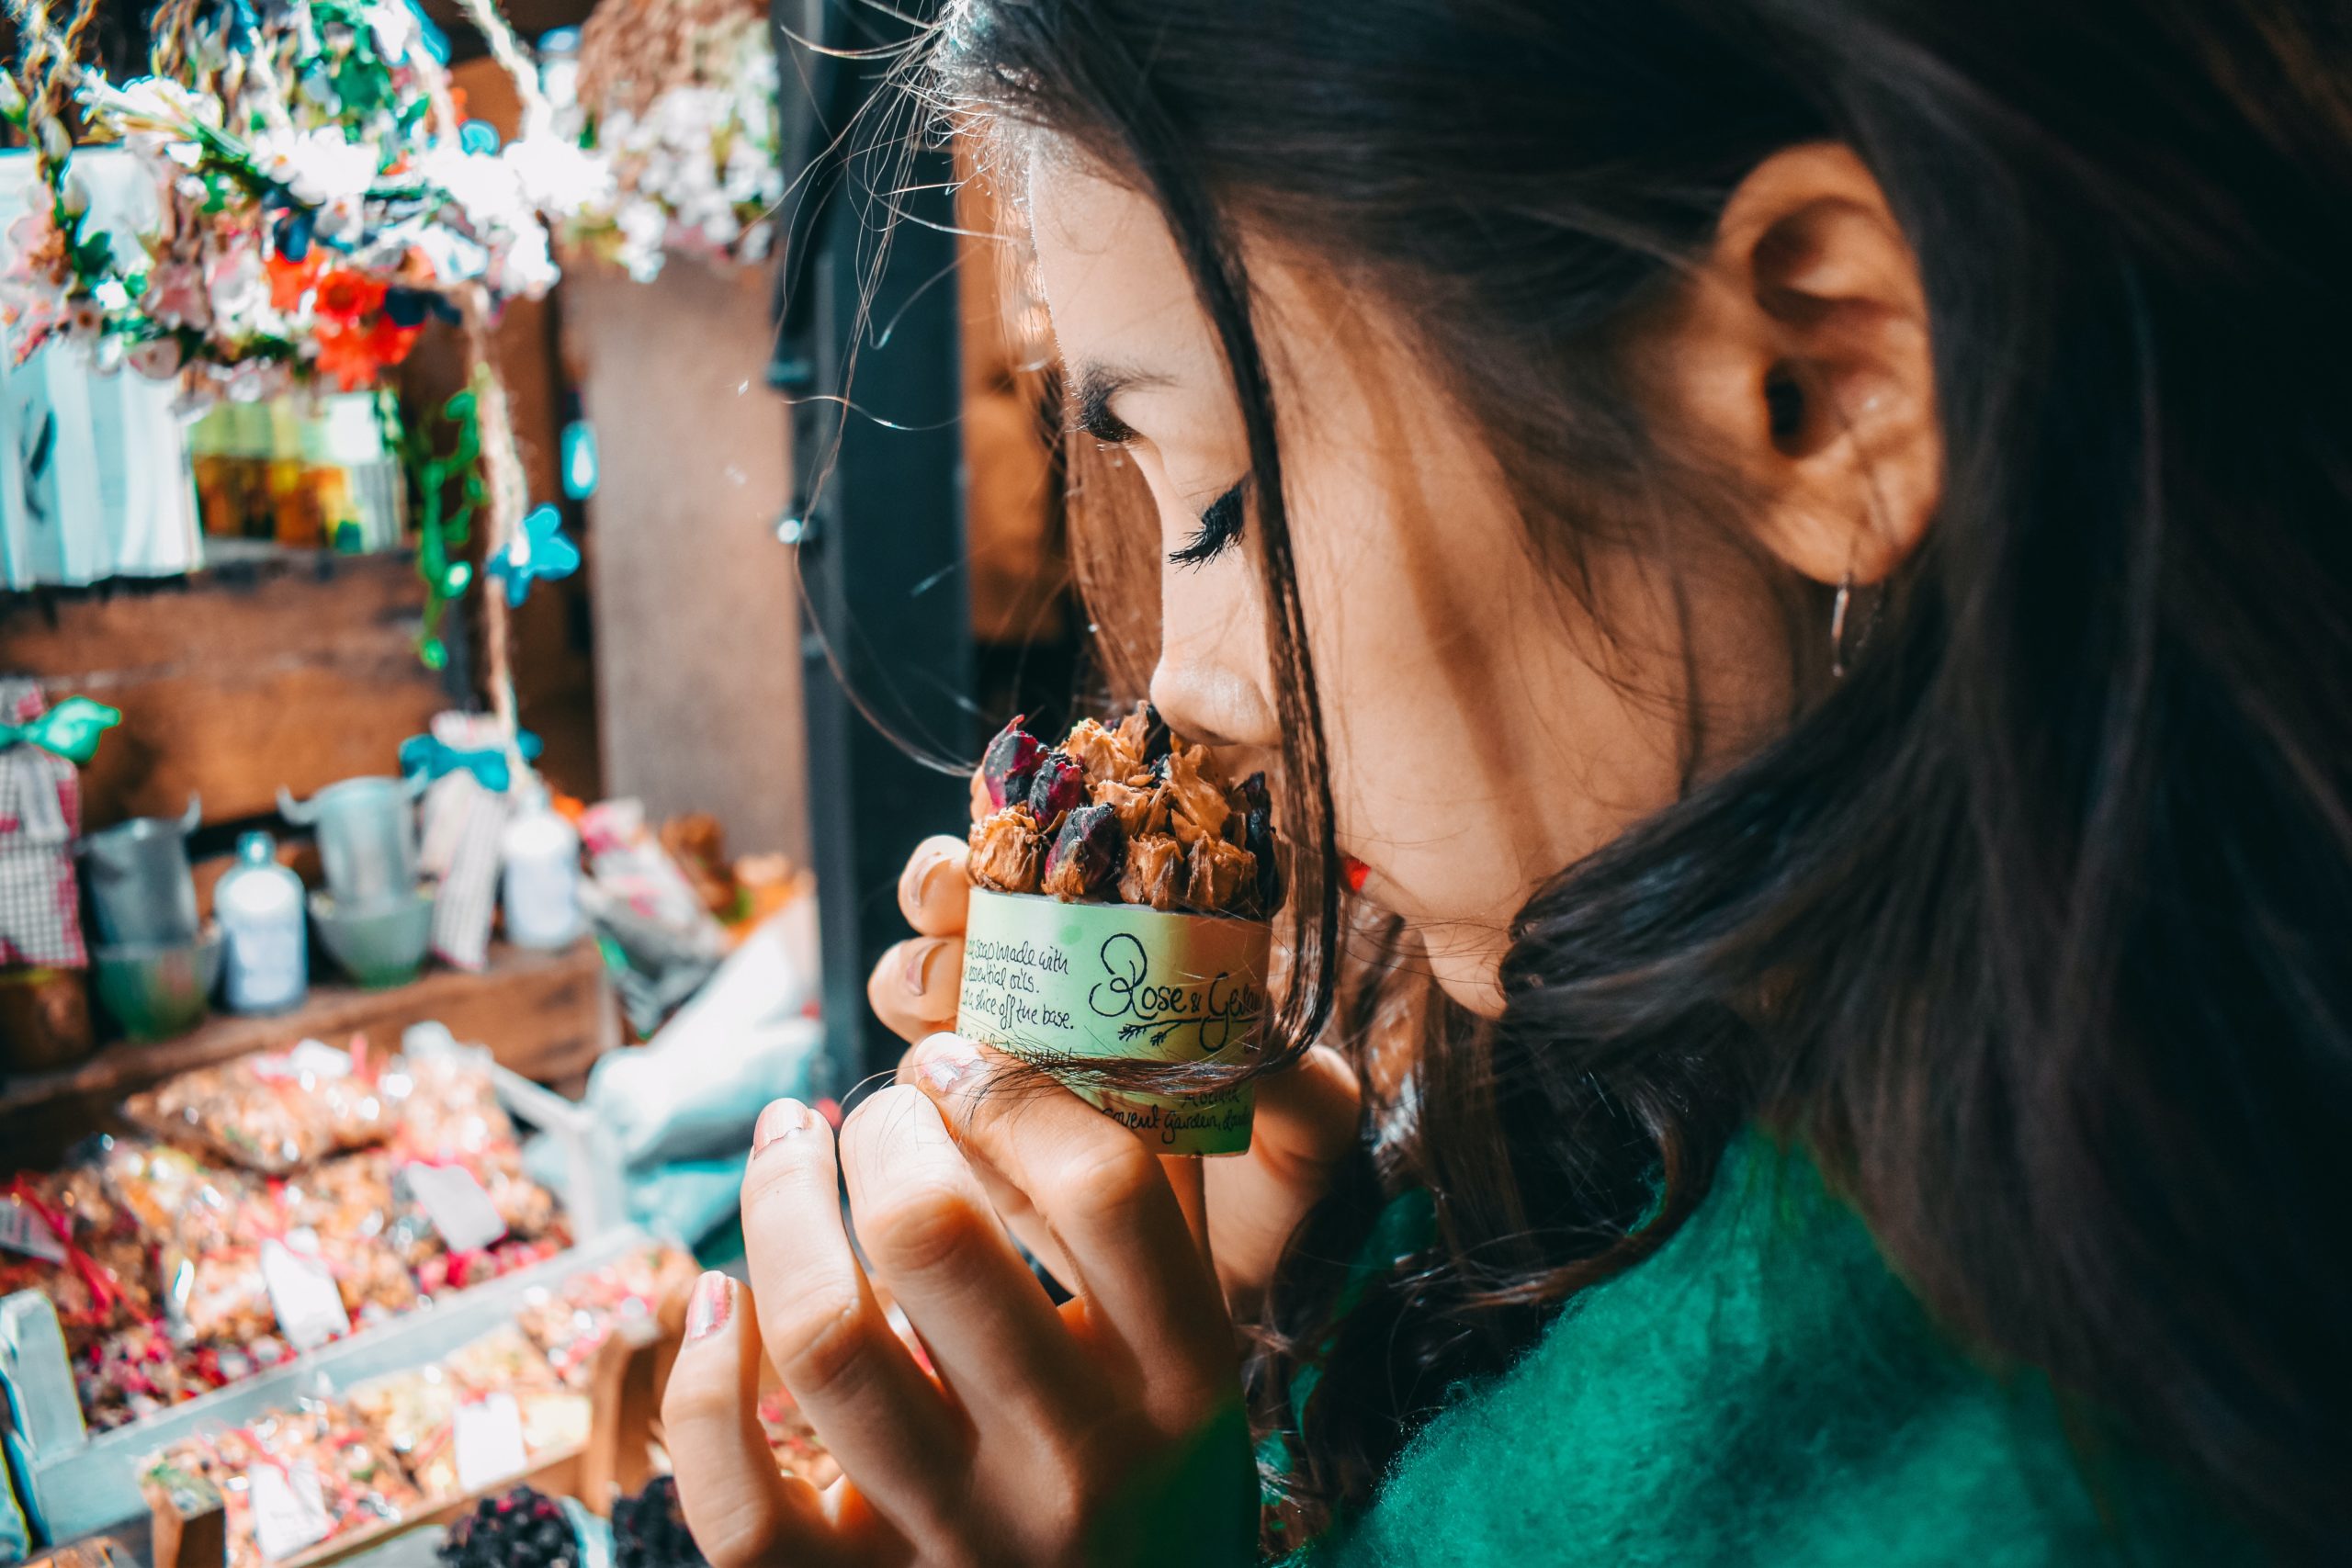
column 545, row 1015
column 299, row 669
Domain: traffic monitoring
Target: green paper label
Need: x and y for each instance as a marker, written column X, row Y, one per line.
column 1051, row 982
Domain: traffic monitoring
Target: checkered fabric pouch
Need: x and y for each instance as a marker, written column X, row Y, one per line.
column 40, row 812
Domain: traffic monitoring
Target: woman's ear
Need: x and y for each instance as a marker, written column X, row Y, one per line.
column 1800, row 352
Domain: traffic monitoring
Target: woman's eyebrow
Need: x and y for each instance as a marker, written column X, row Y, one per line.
column 1094, row 385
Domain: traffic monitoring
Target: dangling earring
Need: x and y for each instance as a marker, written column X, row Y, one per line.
column 1837, row 611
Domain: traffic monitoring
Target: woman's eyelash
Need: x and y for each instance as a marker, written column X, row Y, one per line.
column 1220, row 525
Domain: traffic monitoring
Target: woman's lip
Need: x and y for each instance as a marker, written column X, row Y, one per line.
column 1356, row 873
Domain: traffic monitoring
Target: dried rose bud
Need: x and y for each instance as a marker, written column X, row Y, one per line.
column 1144, row 733
column 1220, row 876
column 1155, row 872
column 1091, row 851
column 1010, row 762
column 1140, row 811
column 1197, row 804
column 1102, row 754
column 1058, row 785
column 1005, row 850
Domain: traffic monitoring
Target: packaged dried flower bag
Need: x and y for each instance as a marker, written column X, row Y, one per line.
column 289, row 1482
column 63, row 1236
column 451, row 1122
column 177, row 1198
column 1122, row 889
column 134, row 1374
column 272, row 1113
column 572, row 1323
column 492, row 1410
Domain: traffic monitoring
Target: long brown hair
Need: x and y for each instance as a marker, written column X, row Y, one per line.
column 2038, row 927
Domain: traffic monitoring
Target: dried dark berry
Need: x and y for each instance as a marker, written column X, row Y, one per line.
column 1010, row 763
column 1090, row 854
column 1058, row 785
column 1253, row 794
column 1258, row 838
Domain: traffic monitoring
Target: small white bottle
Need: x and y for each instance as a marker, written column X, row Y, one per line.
column 541, row 854
column 259, row 906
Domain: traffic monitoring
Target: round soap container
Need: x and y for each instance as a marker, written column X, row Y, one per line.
column 1054, row 983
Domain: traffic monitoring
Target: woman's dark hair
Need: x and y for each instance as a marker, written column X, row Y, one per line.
column 2036, row 928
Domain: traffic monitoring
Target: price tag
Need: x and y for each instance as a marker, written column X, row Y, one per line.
column 21, row 1230
column 490, row 1442
column 303, row 1294
column 456, row 1205
column 289, row 1509
column 319, row 1059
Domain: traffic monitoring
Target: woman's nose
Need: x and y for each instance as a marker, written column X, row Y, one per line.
column 1207, row 698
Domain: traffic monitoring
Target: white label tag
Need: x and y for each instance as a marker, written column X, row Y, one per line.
column 289, row 1509
column 21, row 1230
column 456, row 1205
column 490, row 1442
column 318, row 1059
column 303, row 1294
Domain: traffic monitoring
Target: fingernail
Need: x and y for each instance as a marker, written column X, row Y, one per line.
column 920, row 874
column 952, row 1063
column 711, row 1305
column 916, row 965
column 781, row 1119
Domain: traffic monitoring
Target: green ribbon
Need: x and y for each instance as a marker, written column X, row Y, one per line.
column 71, row 730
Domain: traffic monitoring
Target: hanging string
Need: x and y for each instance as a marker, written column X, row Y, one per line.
column 538, row 114
column 507, row 489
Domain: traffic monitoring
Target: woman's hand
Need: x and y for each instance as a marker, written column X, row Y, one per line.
column 1305, row 1123
column 1106, row 1432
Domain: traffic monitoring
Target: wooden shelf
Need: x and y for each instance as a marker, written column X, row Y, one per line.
column 545, row 1015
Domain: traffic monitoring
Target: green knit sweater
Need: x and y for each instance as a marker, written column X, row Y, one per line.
column 1764, row 1391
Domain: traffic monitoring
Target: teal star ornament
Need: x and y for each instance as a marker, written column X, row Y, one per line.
column 540, row 550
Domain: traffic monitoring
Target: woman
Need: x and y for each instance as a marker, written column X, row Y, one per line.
column 1800, row 548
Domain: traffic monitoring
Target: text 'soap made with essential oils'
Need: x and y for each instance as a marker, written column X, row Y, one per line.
column 1053, row 983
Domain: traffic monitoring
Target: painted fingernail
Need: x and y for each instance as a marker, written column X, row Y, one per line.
column 711, row 1305
column 781, row 1119
column 916, row 965
column 951, row 1063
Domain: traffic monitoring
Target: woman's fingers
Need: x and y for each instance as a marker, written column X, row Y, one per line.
column 914, row 988
column 1108, row 1203
column 1011, row 1204
column 742, row 1510
column 879, row 1412
column 929, row 1233
column 933, row 891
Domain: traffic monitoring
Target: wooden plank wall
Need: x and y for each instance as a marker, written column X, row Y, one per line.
column 299, row 672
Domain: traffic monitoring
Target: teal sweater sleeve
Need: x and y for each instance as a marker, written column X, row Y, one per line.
column 1764, row 1391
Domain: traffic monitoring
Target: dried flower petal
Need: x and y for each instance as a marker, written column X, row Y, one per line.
column 1103, row 754
column 1219, row 876
column 1144, row 733
column 1010, row 762
column 1143, row 810
column 1197, row 804
column 1005, row 850
column 1155, row 872
column 1060, row 785
column 1089, row 852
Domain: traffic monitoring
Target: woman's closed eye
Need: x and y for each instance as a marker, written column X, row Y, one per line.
column 1220, row 525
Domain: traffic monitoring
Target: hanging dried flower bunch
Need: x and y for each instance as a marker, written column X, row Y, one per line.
column 314, row 203
column 679, row 97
